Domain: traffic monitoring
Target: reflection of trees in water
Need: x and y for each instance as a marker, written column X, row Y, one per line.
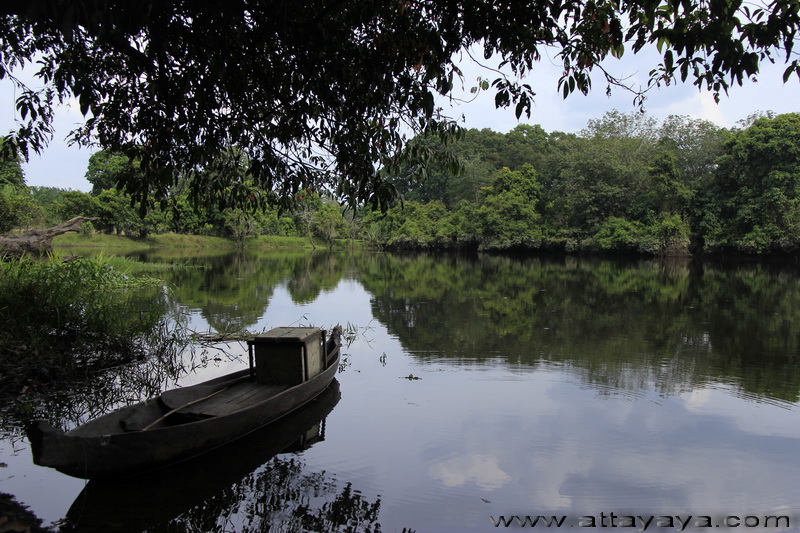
column 317, row 272
column 16, row 517
column 621, row 325
column 281, row 496
column 256, row 483
column 232, row 292
column 99, row 392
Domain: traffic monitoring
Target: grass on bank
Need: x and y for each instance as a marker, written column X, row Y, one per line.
column 174, row 240
column 123, row 242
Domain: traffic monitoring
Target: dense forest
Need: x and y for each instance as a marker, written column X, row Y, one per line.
column 627, row 183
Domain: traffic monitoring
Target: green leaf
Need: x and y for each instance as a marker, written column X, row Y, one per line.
column 684, row 70
column 520, row 108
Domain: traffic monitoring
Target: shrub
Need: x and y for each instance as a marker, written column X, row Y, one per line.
column 61, row 317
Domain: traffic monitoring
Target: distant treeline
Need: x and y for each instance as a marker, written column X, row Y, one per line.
column 627, row 183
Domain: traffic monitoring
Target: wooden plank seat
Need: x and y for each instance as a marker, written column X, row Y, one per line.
column 235, row 397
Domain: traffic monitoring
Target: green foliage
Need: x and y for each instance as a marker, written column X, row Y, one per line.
column 58, row 317
column 620, row 235
column 328, row 223
column 115, row 212
column 45, row 199
column 626, row 183
column 523, row 182
column 668, row 192
column 695, row 146
column 87, row 228
column 272, row 223
column 75, row 203
column 239, row 223
column 8, row 219
column 412, row 226
column 11, row 172
column 465, row 223
column 671, row 235
column 602, row 174
column 315, row 95
column 667, row 236
column 508, row 220
column 526, row 144
column 17, row 209
column 107, row 169
column 622, row 181
column 428, row 176
column 508, row 215
column 304, row 207
column 757, row 187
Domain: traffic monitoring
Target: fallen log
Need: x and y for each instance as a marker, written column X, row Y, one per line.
column 38, row 242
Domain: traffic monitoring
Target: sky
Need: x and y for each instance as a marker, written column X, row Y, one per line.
column 63, row 166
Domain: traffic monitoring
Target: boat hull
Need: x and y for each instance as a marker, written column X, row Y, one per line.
column 80, row 453
column 116, row 505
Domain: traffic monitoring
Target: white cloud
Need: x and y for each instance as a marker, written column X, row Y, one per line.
column 478, row 468
column 696, row 399
column 555, row 113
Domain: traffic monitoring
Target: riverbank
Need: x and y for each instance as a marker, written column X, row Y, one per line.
column 173, row 240
column 61, row 319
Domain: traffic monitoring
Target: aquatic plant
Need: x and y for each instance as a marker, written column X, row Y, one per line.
column 60, row 318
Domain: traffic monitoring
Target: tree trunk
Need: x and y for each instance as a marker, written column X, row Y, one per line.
column 38, row 242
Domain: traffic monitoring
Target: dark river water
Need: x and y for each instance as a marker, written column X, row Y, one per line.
column 643, row 395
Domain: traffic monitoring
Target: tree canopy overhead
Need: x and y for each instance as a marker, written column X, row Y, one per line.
column 323, row 94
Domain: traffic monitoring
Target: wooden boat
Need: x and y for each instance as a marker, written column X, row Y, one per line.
column 109, row 505
column 288, row 368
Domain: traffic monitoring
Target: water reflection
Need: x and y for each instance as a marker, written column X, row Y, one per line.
column 619, row 325
column 84, row 391
column 567, row 384
column 233, row 292
column 241, row 486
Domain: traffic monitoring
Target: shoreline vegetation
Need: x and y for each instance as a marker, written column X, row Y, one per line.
column 85, row 307
column 64, row 319
column 110, row 246
column 626, row 185
column 123, row 243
